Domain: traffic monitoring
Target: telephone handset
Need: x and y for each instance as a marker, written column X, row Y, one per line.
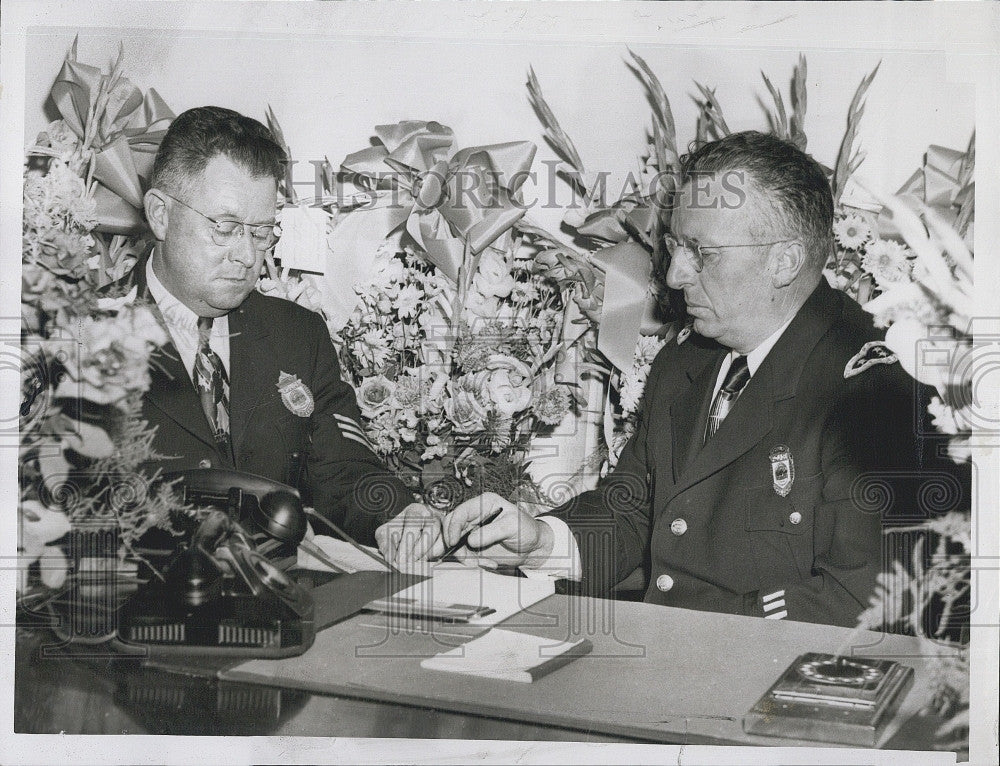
column 270, row 512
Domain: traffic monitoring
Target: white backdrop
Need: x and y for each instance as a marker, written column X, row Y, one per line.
column 330, row 89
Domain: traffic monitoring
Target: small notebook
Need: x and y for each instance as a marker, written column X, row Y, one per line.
column 508, row 656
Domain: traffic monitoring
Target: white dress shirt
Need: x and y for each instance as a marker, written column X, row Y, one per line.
column 564, row 561
column 182, row 324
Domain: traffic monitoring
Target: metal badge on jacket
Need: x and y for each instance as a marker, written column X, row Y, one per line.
column 782, row 469
column 295, row 395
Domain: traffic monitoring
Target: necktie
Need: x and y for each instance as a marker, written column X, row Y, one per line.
column 212, row 384
column 736, row 379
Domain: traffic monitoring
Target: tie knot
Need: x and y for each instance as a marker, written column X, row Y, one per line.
column 737, row 377
column 204, row 329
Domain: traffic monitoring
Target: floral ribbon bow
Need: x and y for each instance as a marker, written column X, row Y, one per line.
column 122, row 126
column 447, row 203
column 628, row 308
column 941, row 184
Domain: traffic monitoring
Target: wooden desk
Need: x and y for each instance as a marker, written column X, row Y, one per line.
column 656, row 675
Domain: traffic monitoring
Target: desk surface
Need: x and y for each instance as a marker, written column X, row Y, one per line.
column 656, row 674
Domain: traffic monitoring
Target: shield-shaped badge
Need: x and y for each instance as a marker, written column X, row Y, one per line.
column 782, row 469
column 295, row 395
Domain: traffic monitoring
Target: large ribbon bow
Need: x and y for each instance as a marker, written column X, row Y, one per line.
column 447, row 204
column 122, row 126
column 939, row 184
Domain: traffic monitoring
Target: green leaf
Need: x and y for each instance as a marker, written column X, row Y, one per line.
column 798, row 134
column 847, row 152
column 664, row 131
column 554, row 133
column 779, row 119
column 713, row 111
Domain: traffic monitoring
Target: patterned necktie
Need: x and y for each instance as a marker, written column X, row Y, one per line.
column 736, row 379
column 212, row 384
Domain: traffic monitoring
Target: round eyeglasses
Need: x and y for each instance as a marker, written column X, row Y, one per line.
column 697, row 253
column 226, row 232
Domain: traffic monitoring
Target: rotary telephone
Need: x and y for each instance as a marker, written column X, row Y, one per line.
column 224, row 592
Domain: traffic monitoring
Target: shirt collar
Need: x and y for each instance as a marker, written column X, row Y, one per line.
column 175, row 313
column 756, row 357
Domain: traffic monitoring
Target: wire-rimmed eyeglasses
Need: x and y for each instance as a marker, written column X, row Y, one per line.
column 226, row 231
column 696, row 252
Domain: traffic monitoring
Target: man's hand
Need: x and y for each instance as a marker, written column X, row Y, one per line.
column 413, row 536
column 512, row 539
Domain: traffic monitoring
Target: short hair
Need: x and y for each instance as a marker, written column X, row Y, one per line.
column 791, row 182
column 198, row 135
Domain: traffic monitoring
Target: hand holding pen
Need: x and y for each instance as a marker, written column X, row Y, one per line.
column 491, row 532
column 485, row 531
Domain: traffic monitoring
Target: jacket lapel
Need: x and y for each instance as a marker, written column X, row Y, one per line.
column 751, row 417
column 170, row 390
column 690, row 409
column 173, row 393
column 246, row 385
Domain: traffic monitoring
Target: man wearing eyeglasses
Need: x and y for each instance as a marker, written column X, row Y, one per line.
column 766, row 422
column 248, row 382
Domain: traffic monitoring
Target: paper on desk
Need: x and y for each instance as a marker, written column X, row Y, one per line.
column 342, row 554
column 451, row 583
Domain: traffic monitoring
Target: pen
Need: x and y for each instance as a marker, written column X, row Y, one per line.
column 464, row 539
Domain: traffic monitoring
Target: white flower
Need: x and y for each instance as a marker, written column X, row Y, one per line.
column 943, row 417
column 41, row 526
column 887, row 261
column 389, row 271
column 481, row 305
column 434, row 451
column 851, row 231
column 630, row 392
column 524, row 292
column 647, row 347
column 372, row 348
column 408, row 301
column 493, row 277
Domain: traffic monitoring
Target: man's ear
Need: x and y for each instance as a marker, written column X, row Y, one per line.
column 155, row 204
column 788, row 262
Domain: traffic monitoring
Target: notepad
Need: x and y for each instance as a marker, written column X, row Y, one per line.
column 508, row 656
column 502, row 595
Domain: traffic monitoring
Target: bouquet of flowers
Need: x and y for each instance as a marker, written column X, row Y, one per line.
column 453, row 391
column 86, row 354
column 448, row 334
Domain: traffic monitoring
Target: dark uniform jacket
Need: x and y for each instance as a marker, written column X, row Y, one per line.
column 325, row 454
column 706, row 522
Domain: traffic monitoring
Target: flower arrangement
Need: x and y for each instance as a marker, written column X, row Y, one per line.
column 448, row 335
column 932, row 333
column 452, row 391
column 86, row 352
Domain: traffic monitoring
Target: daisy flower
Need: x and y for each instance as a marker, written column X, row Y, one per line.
column 887, row 261
column 851, row 231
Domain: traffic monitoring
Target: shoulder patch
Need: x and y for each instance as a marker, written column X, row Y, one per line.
column 872, row 353
column 685, row 332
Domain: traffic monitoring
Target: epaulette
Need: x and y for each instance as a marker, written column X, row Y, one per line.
column 872, row 353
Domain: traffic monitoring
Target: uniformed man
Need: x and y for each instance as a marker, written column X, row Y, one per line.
column 743, row 490
column 247, row 382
